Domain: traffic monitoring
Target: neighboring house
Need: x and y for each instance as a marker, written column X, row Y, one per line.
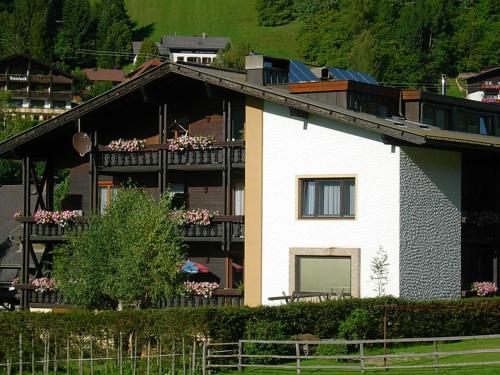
column 115, row 76
column 192, row 49
column 485, row 85
column 305, row 199
column 143, row 68
column 38, row 90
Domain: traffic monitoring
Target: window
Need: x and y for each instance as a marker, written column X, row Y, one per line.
column 180, row 58
column 324, row 269
column 323, row 274
column 238, row 199
column 332, row 197
column 191, row 59
column 436, row 116
column 106, row 194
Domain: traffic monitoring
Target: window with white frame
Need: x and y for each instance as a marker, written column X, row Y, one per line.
column 327, row 197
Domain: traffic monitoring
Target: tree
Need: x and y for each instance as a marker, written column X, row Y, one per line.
column 147, row 51
column 130, row 254
column 233, row 58
column 380, row 270
column 76, row 32
column 274, row 12
column 26, row 29
column 10, row 125
column 114, row 33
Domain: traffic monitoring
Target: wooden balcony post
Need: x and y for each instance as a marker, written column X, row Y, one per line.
column 163, row 154
column 49, row 187
column 25, row 262
column 94, row 179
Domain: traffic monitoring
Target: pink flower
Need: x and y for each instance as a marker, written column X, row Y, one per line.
column 484, row 288
column 129, row 145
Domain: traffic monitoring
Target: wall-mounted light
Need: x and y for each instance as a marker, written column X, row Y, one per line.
column 205, row 189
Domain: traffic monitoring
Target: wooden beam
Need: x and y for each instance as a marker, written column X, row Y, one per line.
column 49, row 184
column 26, row 237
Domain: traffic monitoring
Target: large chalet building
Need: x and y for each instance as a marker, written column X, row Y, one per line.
column 309, row 175
column 38, row 91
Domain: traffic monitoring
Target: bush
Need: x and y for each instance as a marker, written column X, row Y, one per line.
column 472, row 316
column 359, row 325
column 266, row 330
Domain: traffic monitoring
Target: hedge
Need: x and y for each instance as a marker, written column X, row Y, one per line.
column 475, row 316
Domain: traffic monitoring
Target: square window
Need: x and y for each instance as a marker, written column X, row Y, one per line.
column 332, row 197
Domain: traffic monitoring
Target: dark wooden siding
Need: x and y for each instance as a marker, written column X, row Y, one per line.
column 208, row 126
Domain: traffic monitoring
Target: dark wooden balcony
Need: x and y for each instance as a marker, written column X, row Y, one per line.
column 19, row 93
column 61, row 95
column 39, row 94
column 479, row 234
column 52, row 232
column 3, row 77
column 231, row 228
column 211, row 158
column 40, row 78
column 222, row 228
column 490, row 87
column 219, row 298
column 145, row 160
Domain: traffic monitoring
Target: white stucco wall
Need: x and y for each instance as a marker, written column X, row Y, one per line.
column 326, row 147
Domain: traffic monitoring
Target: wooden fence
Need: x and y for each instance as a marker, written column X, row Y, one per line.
column 233, row 355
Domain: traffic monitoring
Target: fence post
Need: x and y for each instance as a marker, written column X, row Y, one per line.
column 240, row 352
column 32, row 355
column 193, row 361
column 67, row 356
column 361, row 357
column 21, row 354
column 436, row 356
column 297, row 353
column 204, row 358
column 120, row 359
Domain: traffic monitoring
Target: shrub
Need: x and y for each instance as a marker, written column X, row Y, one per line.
column 265, row 330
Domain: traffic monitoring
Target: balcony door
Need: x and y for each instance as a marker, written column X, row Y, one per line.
column 238, row 199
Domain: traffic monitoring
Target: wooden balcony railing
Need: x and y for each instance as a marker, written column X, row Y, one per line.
column 211, row 157
column 40, row 78
column 219, row 298
column 221, row 227
column 109, row 159
column 52, row 232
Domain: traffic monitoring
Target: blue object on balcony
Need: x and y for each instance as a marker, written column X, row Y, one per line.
column 193, row 267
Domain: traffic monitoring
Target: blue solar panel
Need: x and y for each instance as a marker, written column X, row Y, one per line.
column 341, row 74
column 299, row 72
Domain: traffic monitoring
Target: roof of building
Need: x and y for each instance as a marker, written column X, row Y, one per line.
column 399, row 131
column 144, row 67
column 39, row 62
column 299, row 72
column 194, row 42
column 136, row 48
column 100, row 74
column 343, row 74
column 484, row 73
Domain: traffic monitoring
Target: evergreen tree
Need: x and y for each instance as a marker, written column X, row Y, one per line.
column 77, row 32
column 274, row 12
column 233, row 58
column 114, row 32
column 147, row 51
column 26, row 29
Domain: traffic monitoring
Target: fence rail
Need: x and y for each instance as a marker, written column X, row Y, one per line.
column 233, row 355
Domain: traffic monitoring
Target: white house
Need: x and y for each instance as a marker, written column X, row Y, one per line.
column 324, row 186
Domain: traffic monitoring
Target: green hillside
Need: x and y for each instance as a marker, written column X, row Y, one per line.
column 236, row 19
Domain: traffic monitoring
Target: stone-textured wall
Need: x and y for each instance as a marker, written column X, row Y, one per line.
column 430, row 229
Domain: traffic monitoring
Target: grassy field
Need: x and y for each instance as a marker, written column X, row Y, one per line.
column 442, row 347
column 236, row 19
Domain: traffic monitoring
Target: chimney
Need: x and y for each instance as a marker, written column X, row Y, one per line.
column 443, row 84
column 204, row 35
column 322, row 73
column 264, row 70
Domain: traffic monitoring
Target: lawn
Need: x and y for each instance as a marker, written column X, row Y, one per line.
column 236, row 19
column 442, row 347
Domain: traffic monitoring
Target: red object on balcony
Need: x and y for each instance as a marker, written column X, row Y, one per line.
column 491, row 100
column 237, row 267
